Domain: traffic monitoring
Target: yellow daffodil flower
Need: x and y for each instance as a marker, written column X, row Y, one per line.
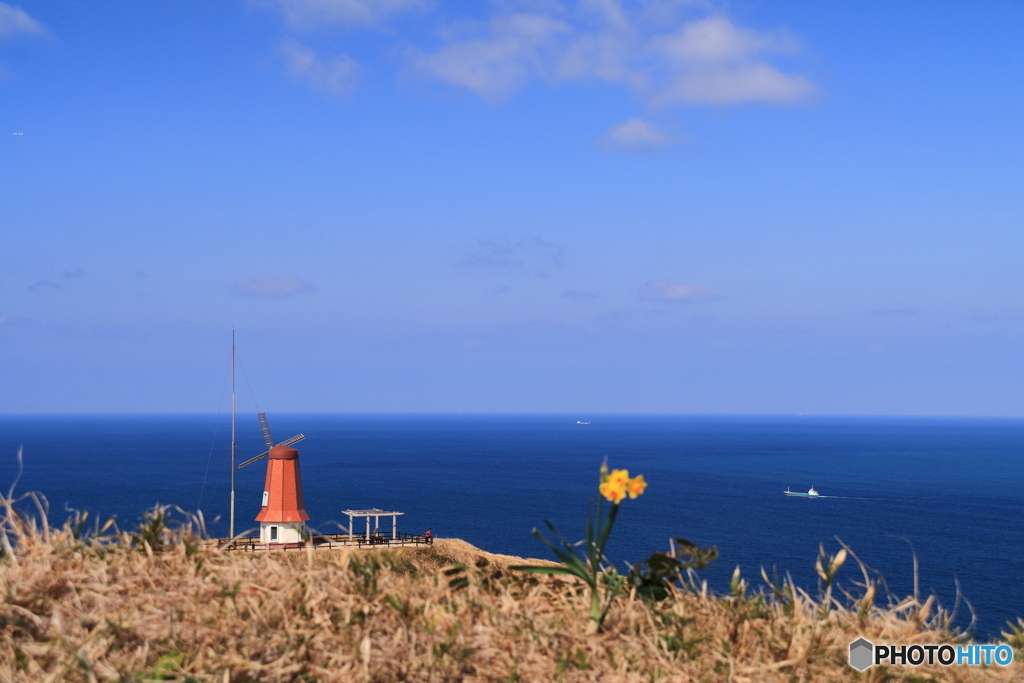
column 619, row 477
column 635, row 487
column 613, row 492
column 615, row 486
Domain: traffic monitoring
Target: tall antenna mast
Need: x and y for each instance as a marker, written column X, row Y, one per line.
column 231, row 526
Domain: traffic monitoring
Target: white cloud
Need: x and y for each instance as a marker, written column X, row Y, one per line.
column 309, row 14
column 665, row 52
column 715, row 40
column 14, row 20
column 535, row 255
column 43, row 285
column 636, row 135
column 736, row 85
column 271, row 287
column 334, row 76
column 706, row 60
column 512, row 50
column 669, row 291
column 602, row 56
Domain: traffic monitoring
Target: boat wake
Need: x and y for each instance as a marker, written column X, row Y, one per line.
column 814, row 494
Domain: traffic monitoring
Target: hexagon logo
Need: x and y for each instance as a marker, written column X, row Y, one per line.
column 862, row 654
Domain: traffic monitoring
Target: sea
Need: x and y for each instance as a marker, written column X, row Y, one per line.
column 947, row 493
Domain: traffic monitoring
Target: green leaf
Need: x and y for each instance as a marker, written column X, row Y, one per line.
column 398, row 605
column 608, row 526
column 569, row 557
column 167, row 664
column 541, row 570
column 455, row 569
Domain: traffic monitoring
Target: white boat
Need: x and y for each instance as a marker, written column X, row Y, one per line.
column 810, row 494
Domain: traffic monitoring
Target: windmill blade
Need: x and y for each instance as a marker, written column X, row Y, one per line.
column 287, row 442
column 266, row 430
column 295, row 439
column 252, row 460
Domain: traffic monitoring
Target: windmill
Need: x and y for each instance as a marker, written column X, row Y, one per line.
column 270, row 441
column 282, row 515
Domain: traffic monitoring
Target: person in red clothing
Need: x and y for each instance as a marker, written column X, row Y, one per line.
column 429, row 535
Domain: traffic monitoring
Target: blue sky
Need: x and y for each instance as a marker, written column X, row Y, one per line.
column 580, row 206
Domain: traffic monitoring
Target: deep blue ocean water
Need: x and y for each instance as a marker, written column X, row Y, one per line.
column 950, row 487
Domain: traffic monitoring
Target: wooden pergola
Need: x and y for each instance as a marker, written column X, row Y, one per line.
column 376, row 514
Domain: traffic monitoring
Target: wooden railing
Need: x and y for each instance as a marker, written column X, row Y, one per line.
column 325, row 541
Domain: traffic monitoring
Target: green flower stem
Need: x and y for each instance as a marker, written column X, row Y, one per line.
column 588, row 567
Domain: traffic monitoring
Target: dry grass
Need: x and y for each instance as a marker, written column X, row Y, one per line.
column 112, row 608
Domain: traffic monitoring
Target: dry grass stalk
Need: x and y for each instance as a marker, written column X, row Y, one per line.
column 97, row 608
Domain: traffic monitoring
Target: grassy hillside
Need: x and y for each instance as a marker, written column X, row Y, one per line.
column 162, row 605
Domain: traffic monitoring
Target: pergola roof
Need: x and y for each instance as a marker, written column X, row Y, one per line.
column 374, row 512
